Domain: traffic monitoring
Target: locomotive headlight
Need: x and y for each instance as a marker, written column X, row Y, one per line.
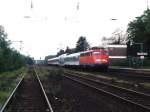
column 104, row 60
column 98, row 60
column 101, row 60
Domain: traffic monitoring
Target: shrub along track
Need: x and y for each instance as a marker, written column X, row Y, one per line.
column 8, row 81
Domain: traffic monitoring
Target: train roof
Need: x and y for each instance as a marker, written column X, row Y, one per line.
column 74, row 54
column 93, row 50
column 53, row 58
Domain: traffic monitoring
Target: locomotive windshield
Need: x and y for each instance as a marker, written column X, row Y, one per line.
column 96, row 53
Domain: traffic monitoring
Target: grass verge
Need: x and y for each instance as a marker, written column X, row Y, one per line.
column 8, row 81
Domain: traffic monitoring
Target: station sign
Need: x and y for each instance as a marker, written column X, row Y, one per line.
column 142, row 53
column 141, row 57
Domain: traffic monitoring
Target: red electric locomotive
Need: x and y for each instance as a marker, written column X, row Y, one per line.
column 95, row 58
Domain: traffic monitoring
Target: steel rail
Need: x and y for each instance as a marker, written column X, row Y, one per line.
column 48, row 103
column 140, row 75
column 10, row 97
column 109, row 93
column 137, row 73
column 110, row 85
column 133, row 70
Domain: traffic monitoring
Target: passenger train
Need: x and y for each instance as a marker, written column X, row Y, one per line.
column 89, row 58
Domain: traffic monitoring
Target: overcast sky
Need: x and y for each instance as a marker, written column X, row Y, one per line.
column 55, row 24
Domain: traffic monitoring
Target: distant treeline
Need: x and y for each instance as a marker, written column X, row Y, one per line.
column 10, row 59
column 81, row 45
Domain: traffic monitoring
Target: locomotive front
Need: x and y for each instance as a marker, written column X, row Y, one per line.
column 95, row 58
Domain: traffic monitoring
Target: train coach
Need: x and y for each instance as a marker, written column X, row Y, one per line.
column 89, row 58
column 53, row 61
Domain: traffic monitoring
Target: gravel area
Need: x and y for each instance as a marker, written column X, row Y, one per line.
column 69, row 96
column 66, row 96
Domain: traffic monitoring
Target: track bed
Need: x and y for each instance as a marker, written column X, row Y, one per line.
column 29, row 96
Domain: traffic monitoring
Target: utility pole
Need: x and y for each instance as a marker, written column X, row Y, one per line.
column 31, row 6
column 78, row 6
column 147, row 5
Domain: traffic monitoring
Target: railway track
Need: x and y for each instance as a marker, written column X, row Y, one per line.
column 141, row 75
column 125, row 75
column 28, row 96
column 139, row 101
column 138, row 75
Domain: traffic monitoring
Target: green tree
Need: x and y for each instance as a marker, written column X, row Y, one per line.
column 4, row 49
column 139, row 30
column 60, row 52
column 10, row 59
column 29, row 60
column 49, row 56
column 3, row 39
column 69, row 50
column 82, row 44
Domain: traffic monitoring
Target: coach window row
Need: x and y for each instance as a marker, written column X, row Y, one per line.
column 75, row 58
column 96, row 53
column 55, row 60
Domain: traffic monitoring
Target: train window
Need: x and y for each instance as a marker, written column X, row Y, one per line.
column 82, row 55
column 85, row 54
column 96, row 53
column 88, row 54
column 76, row 58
